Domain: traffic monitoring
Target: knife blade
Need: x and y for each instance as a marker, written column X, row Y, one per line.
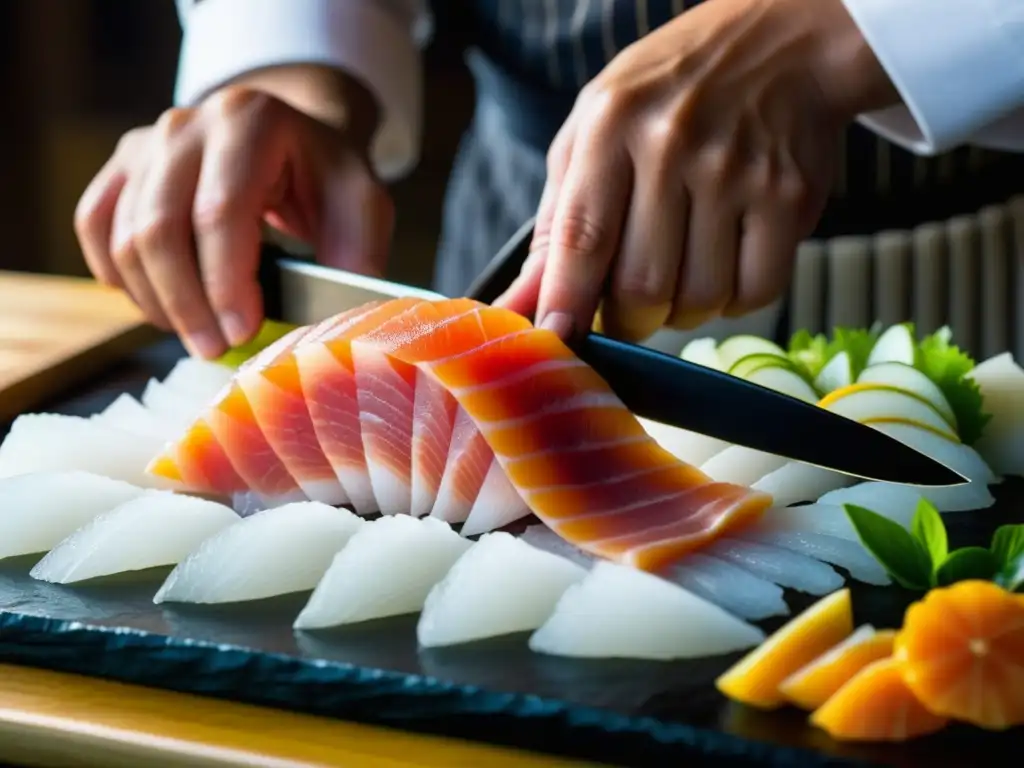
column 652, row 384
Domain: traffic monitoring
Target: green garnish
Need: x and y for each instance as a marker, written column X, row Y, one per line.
column 947, row 365
column 920, row 559
column 269, row 332
column 812, row 353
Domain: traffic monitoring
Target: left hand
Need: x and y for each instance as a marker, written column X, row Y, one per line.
column 693, row 165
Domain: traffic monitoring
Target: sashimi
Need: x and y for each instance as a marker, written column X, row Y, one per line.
column 129, row 415
column 795, row 481
column 387, row 569
column 500, row 586
column 275, row 552
column 741, row 465
column 691, row 447
column 781, row 566
column 156, row 529
column 621, row 612
column 841, row 552
column 195, row 378
column 39, row 510
column 568, row 446
column 824, row 518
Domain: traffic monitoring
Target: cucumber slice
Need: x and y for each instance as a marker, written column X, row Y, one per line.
column 896, row 345
column 909, row 379
column 838, row 372
column 784, row 380
column 269, row 332
column 703, row 352
column 747, row 365
column 879, row 402
column 736, row 347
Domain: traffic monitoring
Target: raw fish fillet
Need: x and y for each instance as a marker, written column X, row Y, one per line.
column 129, row 415
column 576, row 457
column 622, row 612
column 270, row 383
column 500, row 586
column 781, row 566
column 40, row 509
column 849, row 555
column 194, row 378
column 275, row 552
column 387, row 569
column 156, row 529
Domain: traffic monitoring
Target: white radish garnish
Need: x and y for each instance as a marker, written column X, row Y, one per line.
column 795, row 482
column 49, row 442
column 622, row 612
column 39, row 510
column 733, row 349
column 836, row 374
column 278, row 551
column 387, row 569
column 896, row 345
column 876, row 402
column 157, row 529
column 128, row 414
column 785, row 380
column 1001, row 381
column 741, row 465
column 500, row 586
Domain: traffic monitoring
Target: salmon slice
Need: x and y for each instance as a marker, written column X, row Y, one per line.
column 271, row 385
column 432, row 423
column 198, row 462
column 469, row 459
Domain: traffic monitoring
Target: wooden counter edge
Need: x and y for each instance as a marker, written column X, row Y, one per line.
column 55, row 719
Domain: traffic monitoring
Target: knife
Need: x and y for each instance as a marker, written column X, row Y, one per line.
column 653, row 385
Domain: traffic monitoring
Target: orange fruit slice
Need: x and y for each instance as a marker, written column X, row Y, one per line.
column 962, row 651
column 876, row 705
column 814, row 684
column 755, row 679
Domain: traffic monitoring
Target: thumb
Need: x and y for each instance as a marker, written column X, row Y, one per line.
column 356, row 222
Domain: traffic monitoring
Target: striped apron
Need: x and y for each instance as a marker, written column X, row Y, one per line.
column 934, row 240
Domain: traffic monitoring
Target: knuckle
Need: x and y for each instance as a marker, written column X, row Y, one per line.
column 713, row 165
column 578, row 235
column 640, row 285
column 213, row 212
column 156, row 232
column 229, row 103
column 793, row 190
column 662, row 137
column 130, row 140
column 126, row 256
column 172, row 121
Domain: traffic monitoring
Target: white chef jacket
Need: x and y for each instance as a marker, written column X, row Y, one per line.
column 957, row 64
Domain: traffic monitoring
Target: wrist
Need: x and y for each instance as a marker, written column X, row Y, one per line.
column 328, row 95
column 846, row 68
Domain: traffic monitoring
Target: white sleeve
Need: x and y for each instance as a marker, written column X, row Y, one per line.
column 376, row 41
column 958, row 66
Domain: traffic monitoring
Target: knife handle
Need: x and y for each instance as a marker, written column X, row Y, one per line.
column 498, row 275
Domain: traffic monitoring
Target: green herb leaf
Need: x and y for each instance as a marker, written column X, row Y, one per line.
column 1011, row 576
column 967, row 563
column 809, row 353
column 857, row 343
column 1008, row 544
column 947, row 365
column 892, row 545
column 930, row 531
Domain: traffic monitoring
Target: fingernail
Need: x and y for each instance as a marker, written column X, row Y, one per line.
column 559, row 323
column 204, row 344
column 235, row 328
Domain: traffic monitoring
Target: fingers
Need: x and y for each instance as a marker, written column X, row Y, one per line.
column 584, row 235
column 357, row 219
column 127, row 257
column 767, row 251
column 163, row 236
column 654, row 238
column 243, row 163
column 94, row 221
column 708, row 272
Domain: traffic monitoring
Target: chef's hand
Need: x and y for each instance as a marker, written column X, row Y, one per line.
column 175, row 216
column 692, row 166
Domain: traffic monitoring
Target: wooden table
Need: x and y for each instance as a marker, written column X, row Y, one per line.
column 54, row 719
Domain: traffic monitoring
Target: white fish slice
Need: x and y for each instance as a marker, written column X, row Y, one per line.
column 691, row 447
column 781, row 566
column 497, row 504
column 387, row 569
column 194, row 379
column 846, row 554
column 542, row 537
column 741, row 465
column 500, row 586
column 827, row 519
column 50, row 442
column 795, row 482
column 275, row 552
column 128, row 414
column 1001, row 381
column 153, row 530
column 729, row 587
column 171, row 405
column 39, row 510
column 622, row 612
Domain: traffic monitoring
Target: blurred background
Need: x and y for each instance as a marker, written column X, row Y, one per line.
column 76, row 74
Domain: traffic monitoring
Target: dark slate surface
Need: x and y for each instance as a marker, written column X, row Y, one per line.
column 626, row 713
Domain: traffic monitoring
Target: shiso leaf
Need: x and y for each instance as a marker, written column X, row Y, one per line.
column 966, row 564
column 947, row 365
column 893, row 546
column 930, row 531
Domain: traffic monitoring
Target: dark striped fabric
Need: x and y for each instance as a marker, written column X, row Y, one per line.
column 556, row 46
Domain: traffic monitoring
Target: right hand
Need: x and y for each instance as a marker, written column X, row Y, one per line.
column 174, row 218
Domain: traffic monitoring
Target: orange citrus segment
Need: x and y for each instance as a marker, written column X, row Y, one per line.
column 814, row 684
column 755, row 679
column 876, row 705
column 962, row 651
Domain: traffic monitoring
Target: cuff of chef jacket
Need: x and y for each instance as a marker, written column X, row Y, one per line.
column 957, row 64
column 226, row 39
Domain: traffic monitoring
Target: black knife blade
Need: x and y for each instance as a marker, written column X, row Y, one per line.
column 652, row 384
